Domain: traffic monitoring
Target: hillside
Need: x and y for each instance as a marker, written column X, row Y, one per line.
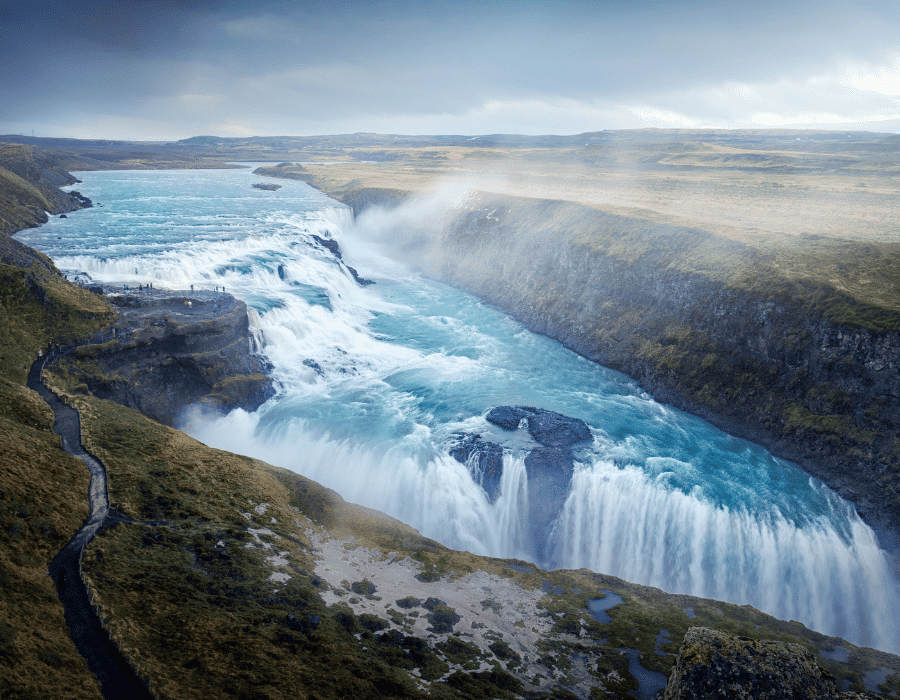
column 30, row 179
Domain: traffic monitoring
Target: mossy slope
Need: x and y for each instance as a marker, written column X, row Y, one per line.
column 29, row 182
column 43, row 491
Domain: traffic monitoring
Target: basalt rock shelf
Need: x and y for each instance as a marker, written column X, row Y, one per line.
column 549, row 461
column 169, row 350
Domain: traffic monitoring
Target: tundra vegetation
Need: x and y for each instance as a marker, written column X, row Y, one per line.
column 220, row 576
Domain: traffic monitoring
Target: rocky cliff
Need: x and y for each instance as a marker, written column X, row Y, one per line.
column 804, row 364
column 170, row 350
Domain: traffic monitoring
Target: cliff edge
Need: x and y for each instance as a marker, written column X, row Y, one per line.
column 169, row 350
column 712, row 665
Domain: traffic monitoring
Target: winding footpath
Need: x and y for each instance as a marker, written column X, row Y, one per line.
column 117, row 678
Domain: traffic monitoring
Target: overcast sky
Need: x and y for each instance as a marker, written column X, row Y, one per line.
column 166, row 70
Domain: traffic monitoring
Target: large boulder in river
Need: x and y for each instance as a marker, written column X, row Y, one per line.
column 713, row 664
column 508, row 417
column 556, row 430
column 548, row 428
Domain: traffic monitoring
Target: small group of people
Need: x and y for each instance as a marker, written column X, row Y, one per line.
column 141, row 287
column 149, row 286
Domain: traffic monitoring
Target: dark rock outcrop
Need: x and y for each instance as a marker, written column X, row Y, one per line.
column 332, row 246
column 714, row 665
column 484, row 460
column 83, row 202
column 170, row 351
column 549, row 471
column 556, row 430
column 548, row 466
column 548, row 428
column 508, row 417
column 271, row 187
column 551, row 464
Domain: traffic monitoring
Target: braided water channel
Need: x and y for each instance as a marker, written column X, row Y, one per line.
column 374, row 382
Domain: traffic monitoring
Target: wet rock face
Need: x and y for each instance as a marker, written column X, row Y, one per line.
column 508, row 417
column 549, row 465
column 332, row 246
column 555, row 430
column 552, row 464
column 484, row 459
column 549, row 472
column 712, row 664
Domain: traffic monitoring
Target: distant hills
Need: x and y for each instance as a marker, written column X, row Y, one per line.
column 209, row 151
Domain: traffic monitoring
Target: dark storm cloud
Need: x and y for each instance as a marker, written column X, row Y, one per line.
column 121, row 26
column 171, row 69
column 95, row 53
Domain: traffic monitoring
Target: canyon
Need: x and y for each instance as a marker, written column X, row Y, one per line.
column 221, row 575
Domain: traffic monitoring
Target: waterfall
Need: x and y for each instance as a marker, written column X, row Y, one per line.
column 374, row 382
column 623, row 523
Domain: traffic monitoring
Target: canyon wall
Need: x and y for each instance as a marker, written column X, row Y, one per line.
column 711, row 325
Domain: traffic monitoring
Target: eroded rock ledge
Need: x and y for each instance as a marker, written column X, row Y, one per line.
column 169, row 350
column 549, row 462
